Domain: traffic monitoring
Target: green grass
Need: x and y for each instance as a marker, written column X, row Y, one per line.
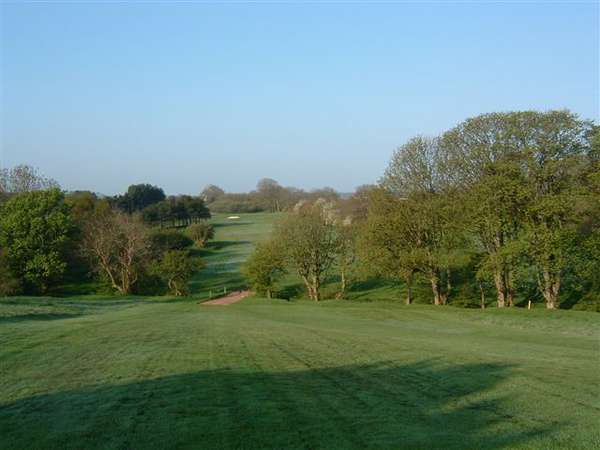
column 99, row 372
column 234, row 241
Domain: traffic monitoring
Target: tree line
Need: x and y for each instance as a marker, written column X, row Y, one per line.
column 503, row 205
column 269, row 196
column 48, row 237
column 136, row 242
column 503, row 202
column 158, row 209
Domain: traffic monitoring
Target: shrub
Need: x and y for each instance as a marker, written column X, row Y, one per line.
column 264, row 267
column 200, row 233
column 176, row 267
column 9, row 283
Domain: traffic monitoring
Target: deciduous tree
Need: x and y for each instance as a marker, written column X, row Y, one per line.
column 265, row 266
column 555, row 159
column 35, row 229
column 425, row 224
column 138, row 197
column 211, row 193
column 177, row 268
column 24, row 178
column 117, row 243
column 200, row 233
column 310, row 243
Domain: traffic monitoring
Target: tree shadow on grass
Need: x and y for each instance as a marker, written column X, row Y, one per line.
column 290, row 291
column 412, row 406
column 22, row 309
column 220, row 245
column 232, row 223
column 17, row 318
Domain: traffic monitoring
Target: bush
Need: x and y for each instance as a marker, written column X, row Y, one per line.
column 200, row 233
column 9, row 283
column 264, row 267
column 176, row 268
column 590, row 302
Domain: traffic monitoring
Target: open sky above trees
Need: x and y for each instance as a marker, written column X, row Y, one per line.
column 294, row 224
column 311, row 95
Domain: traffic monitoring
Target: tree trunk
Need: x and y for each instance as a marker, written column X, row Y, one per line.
column 316, row 284
column 499, row 281
column 342, row 284
column 510, row 294
column 269, row 293
column 435, row 287
column 482, row 293
column 309, row 288
column 550, row 288
column 173, row 287
column 125, row 287
column 510, row 299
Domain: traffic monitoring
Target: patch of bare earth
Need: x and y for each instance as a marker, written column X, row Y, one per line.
column 233, row 297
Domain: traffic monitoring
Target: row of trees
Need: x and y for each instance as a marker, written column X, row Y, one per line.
column 47, row 236
column 158, row 209
column 176, row 211
column 269, row 196
column 510, row 198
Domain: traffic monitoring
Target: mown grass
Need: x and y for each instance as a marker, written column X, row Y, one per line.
column 234, row 241
column 101, row 372
column 273, row 374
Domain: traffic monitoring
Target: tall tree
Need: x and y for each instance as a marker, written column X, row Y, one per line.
column 272, row 192
column 118, row 244
column 35, row 229
column 556, row 150
column 138, row 197
column 310, row 243
column 484, row 163
column 495, row 207
column 417, row 180
column 211, row 193
column 384, row 245
column 417, row 166
column 24, row 178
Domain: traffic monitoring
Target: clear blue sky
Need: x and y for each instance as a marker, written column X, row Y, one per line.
column 99, row 96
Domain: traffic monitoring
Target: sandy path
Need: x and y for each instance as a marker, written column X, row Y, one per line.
column 233, row 297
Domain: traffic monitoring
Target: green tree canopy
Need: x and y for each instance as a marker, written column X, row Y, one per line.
column 176, row 268
column 264, row 267
column 35, row 229
column 138, row 197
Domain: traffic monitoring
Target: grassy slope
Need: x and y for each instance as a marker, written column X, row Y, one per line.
column 127, row 373
column 234, row 240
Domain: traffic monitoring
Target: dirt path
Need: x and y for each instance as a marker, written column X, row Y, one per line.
column 233, row 297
